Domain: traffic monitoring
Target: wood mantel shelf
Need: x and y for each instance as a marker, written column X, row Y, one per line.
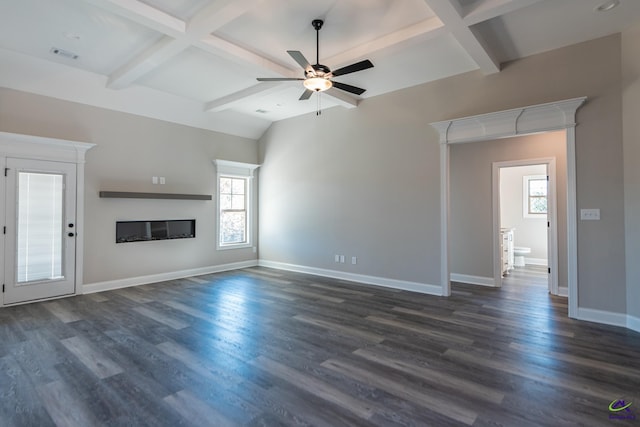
column 133, row 195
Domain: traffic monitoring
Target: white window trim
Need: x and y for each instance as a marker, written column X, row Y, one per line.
column 236, row 170
column 525, row 197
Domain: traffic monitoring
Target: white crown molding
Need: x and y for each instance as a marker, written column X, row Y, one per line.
column 229, row 167
column 41, row 148
column 502, row 124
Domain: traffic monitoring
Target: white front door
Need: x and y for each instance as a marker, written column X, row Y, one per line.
column 40, row 244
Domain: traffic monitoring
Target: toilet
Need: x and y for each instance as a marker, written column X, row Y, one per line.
column 518, row 255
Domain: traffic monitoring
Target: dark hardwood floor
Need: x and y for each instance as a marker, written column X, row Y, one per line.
column 261, row 347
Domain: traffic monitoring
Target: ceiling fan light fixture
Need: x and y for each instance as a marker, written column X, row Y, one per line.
column 317, row 84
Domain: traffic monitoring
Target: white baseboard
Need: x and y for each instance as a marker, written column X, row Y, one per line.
column 473, row 280
column 161, row 277
column 563, row 291
column 360, row 278
column 601, row 316
column 633, row 323
column 535, row 261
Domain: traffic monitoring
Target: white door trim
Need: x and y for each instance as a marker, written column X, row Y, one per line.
column 502, row 124
column 552, row 217
column 51, row 149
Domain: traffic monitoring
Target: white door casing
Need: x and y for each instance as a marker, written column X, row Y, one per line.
column 551, row 116
column 19, row 146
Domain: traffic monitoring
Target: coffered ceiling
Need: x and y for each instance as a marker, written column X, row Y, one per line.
column 195, row 62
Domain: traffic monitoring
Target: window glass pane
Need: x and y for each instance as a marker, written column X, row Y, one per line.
column 238, row 186
column 538, row 205
column 232, row 227
column 225, row 202
column 40, row 209
column 537, row 187
column 237, row 202
column 225, row 185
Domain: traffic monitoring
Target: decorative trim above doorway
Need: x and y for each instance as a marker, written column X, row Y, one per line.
column 503, row 124
column 551, row 116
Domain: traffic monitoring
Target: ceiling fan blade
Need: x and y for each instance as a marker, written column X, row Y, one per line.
column 348, row 88
column 358, row 66
column 276, row 79
column 305, row 95
column 300, row 59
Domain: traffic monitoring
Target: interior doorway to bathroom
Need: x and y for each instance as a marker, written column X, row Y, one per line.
column 525, row 215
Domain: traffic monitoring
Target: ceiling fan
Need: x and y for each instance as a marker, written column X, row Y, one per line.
column 318, row 77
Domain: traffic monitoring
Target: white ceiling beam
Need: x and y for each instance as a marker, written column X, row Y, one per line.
column 144, row 15
column 489, row 9
column 432, row 27
column 342, row 98
column 226, row 102
column 450, row 14
column 146, row 62
column 235, row 53
column 183, row 35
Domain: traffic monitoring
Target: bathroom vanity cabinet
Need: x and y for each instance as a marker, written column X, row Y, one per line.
column 506, row 250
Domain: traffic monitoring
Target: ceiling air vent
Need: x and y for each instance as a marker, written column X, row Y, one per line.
column 63, row 53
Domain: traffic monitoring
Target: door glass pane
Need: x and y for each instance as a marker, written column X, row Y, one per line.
column 40, row 228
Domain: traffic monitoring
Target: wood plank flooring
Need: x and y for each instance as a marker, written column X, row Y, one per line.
column 262, row 347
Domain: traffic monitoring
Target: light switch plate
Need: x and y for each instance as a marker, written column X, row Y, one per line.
column 590, row 214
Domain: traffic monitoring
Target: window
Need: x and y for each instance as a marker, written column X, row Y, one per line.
column 235, row 211
column 535, row 196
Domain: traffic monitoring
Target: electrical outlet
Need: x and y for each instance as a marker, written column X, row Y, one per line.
column 590, row 214
column 341, row 259
column 162, row 180
column 354, row 260
column 154, row 179
column 337, row 258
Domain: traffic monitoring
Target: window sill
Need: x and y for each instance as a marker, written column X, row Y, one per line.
column 236, row 246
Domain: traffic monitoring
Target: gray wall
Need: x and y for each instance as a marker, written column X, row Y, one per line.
column 471, row 198
column 529, row 232
column 366, row 181
column 631, row 120
column 130, row 150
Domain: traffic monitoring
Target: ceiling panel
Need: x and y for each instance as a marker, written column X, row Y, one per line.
column 283, row 103
column 102, row 40
column 552, row 24
column 420, row 61
column 199, row 75
column 280, row 25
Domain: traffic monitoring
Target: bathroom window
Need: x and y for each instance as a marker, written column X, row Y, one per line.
column 535, row 189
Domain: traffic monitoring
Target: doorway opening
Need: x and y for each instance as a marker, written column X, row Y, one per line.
column 558, row 115
column 525, row 215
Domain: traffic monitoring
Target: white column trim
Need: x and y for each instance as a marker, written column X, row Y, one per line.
column 551, row 116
